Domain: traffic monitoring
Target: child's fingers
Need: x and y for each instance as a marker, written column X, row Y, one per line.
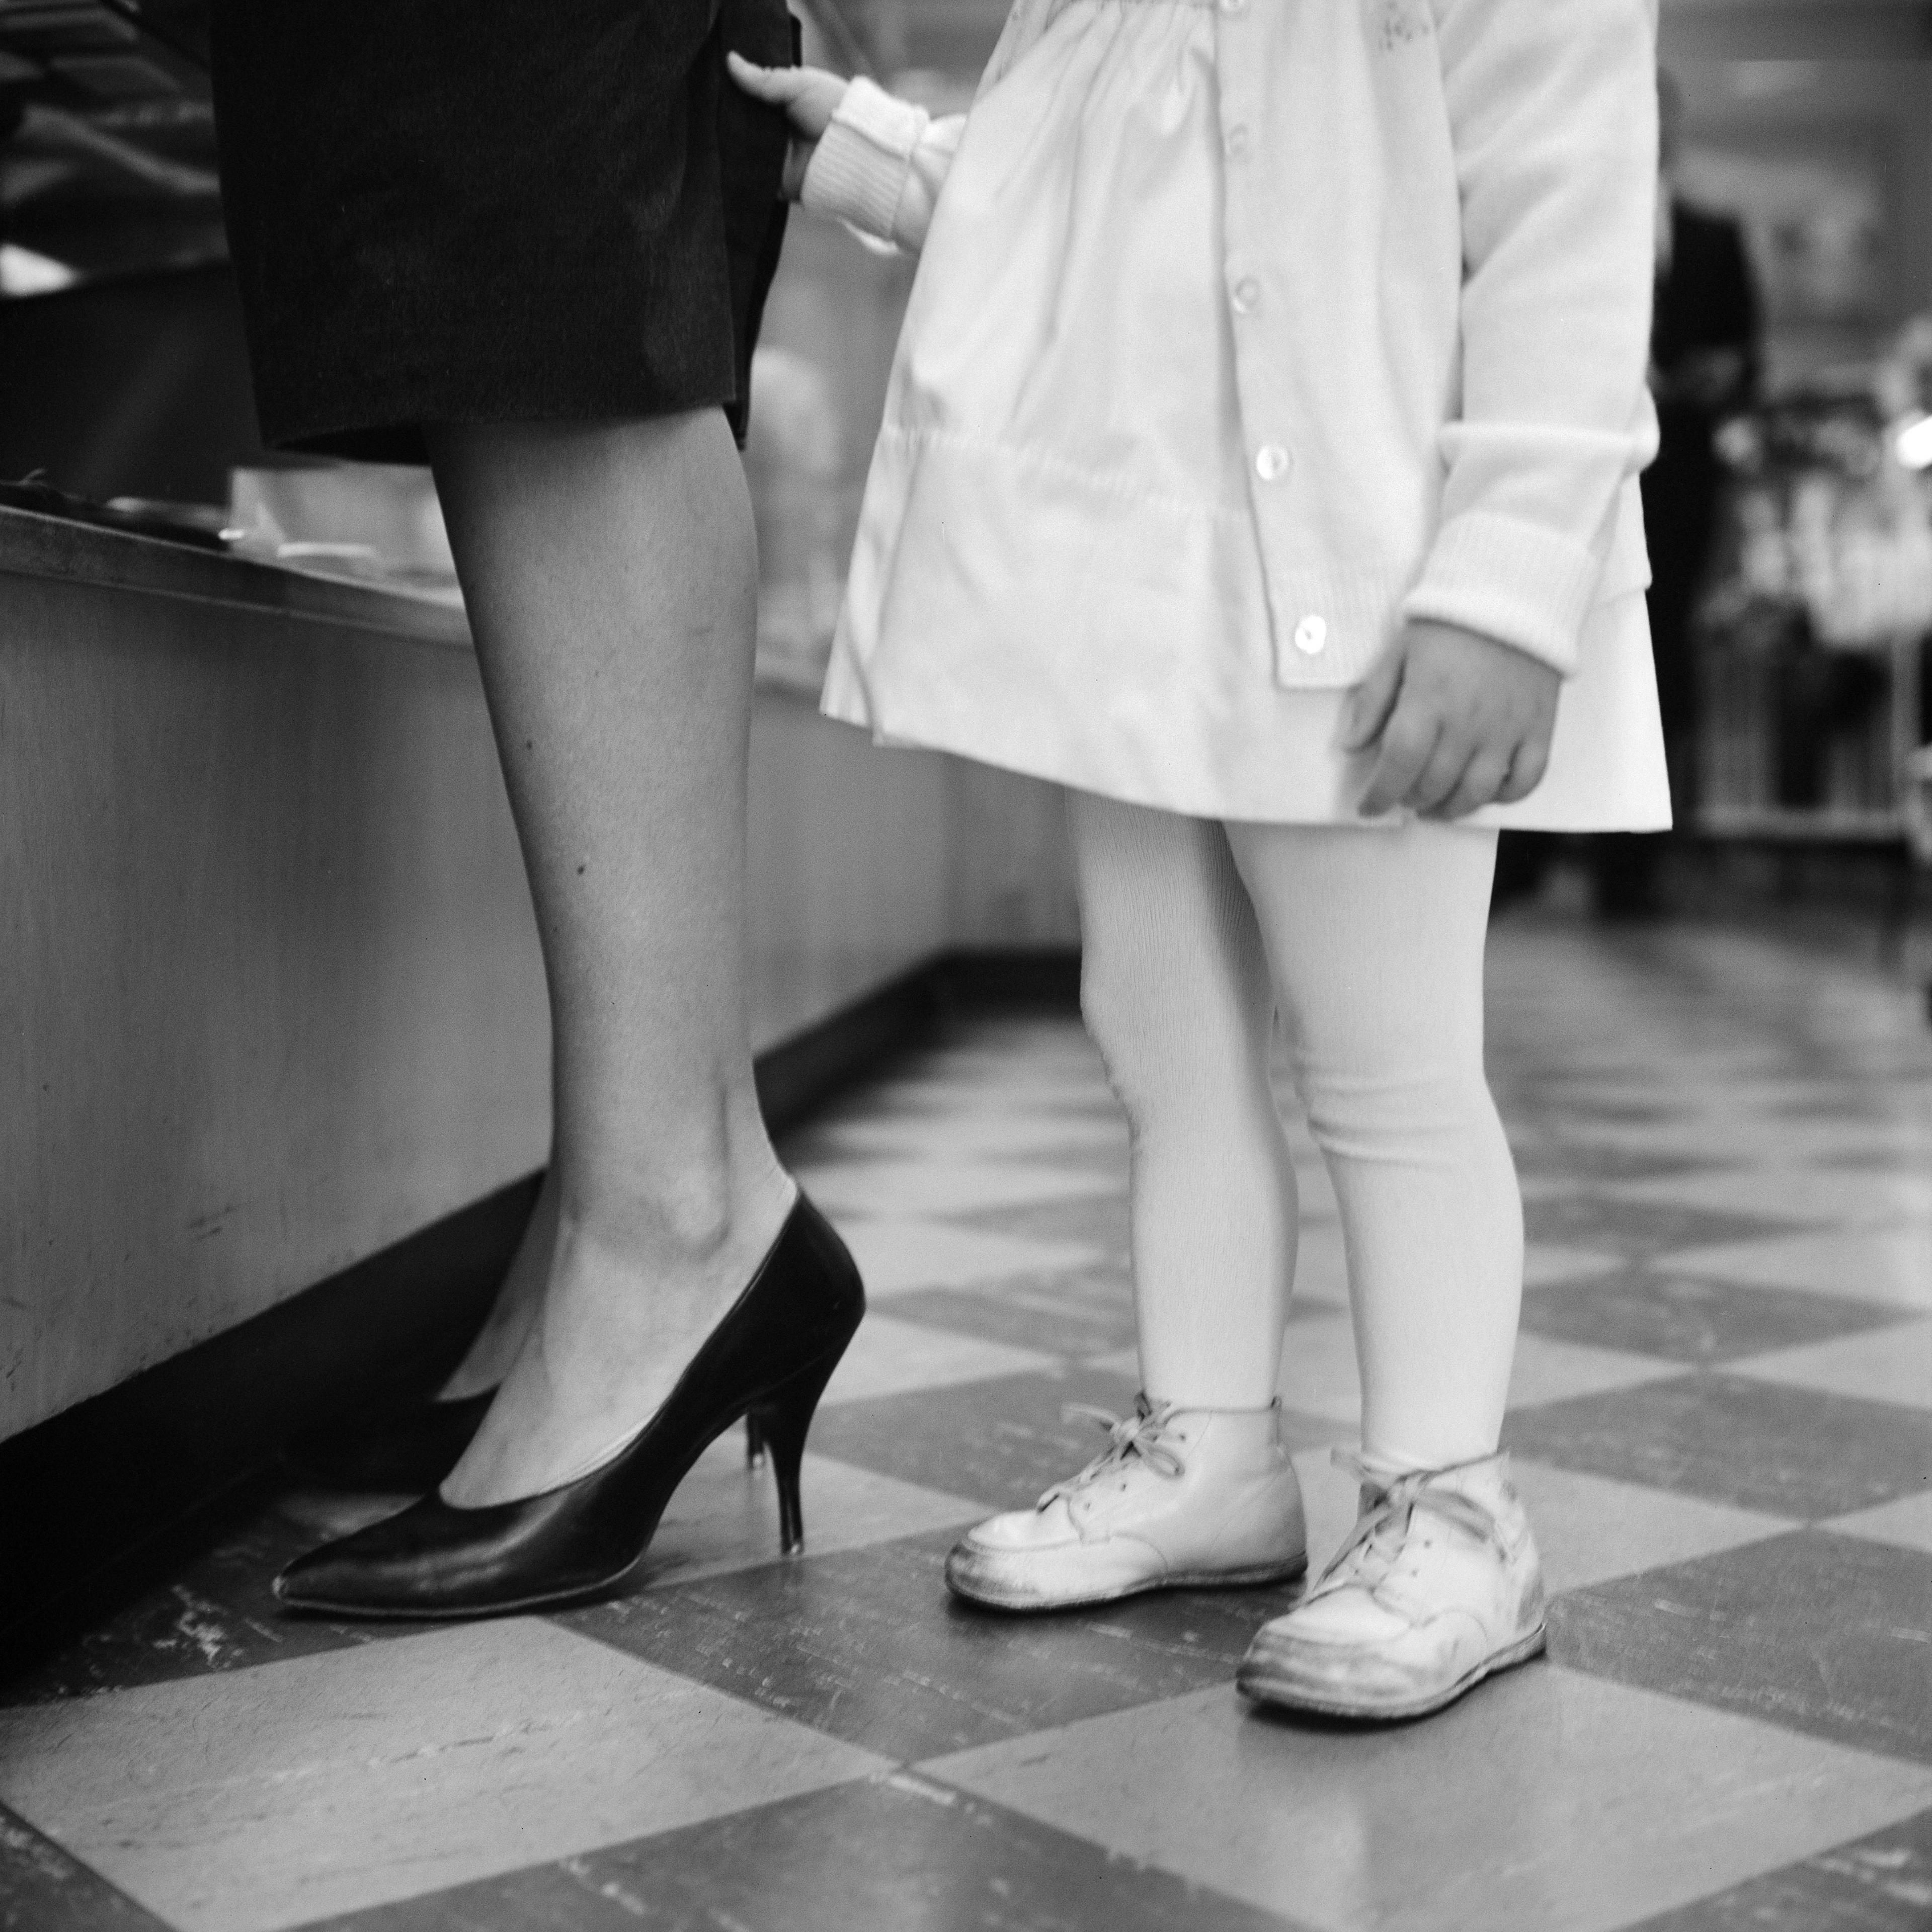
column 1407, row 746
column 1371, row 701
column 1436, row 783
column 1481, row 784
column 809, row 95
column 1525, row 770
column 780, row 86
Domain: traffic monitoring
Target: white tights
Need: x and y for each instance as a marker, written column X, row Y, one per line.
column 1370, row 944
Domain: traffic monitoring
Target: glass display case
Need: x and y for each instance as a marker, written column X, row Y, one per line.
column 107, row 163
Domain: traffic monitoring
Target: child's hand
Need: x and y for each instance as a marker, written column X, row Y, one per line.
column 1463, row 720
column 810, row 97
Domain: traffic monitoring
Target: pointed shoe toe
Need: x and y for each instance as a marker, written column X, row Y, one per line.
column 435, row 1561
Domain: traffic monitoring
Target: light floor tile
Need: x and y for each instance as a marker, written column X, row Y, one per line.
column 1546, row 1264
column 1318, row 1369
column 1840, row 1196
column 1590, row 1528
column 888, row 1358
column 1739, row 1140
column 1547, row 1802
column 1907, row 1522
column 725, row 1516
column 1891, row 1364
column 1321, row 1265
column 1894, row 1266
column 897, row 1256
column 895, row 1188
column 1551, row 1371
column 255, row 1800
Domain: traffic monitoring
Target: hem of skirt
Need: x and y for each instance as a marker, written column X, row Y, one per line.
column 843, row 702
column 403, row 439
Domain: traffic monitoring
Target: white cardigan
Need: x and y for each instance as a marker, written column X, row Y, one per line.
column 1438, row 362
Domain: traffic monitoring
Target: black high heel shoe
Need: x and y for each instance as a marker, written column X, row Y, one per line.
column 400, row 1449
column 771, row 1356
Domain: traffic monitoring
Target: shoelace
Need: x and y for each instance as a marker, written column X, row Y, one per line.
column 1142, row 1435
column 1383, row 1527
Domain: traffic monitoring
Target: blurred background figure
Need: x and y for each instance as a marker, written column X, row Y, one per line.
column 1704, row 363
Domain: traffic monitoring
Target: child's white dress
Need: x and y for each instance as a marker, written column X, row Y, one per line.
column 1100, row 618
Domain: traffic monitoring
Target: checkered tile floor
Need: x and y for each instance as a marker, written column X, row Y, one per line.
column 1722, row 1423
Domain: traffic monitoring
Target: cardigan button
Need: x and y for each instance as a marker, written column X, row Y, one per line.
column 1311, row 636
column 1247, row 295
column 1237, row 144
column 1234, row 6
column 1272, row 462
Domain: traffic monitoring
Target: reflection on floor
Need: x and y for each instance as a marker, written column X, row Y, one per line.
column 1722, row 1420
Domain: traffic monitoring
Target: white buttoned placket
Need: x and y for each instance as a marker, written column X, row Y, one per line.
column 1265, row 431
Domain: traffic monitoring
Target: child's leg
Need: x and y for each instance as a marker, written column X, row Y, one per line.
column 1376, row 939
column 1195, row 1487
column 1176, row 993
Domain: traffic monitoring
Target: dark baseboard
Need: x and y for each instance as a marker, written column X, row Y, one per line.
column 104, row 1498
column 1038, row 980
column 98, row 1493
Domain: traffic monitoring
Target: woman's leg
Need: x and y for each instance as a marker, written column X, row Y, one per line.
column 1176, row 993
column 487, row 1359
column 609, row 573
column 1377, row 939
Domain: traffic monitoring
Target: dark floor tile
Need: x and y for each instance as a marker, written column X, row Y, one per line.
column 1880, row 1883
column 1790, row 1452
column 1585, row 1161
column 1574, row 1103
column 1089, row 1312
column 217, row 1613
column 1827, row 1634
column 898, row 1855
column 1687, row 1320
column 868, row 1645
column 1003, row 1441
column 1910, row 1157
column 43, row 1889
column 1613, row 1225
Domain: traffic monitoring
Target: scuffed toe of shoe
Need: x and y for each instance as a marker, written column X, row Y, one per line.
column 1016, row 1531
column 1325, row 1673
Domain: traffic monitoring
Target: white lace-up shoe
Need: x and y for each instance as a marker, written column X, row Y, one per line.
column 1193, row 1498
column 1438, row 1586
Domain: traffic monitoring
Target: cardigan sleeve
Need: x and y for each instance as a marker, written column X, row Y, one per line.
column 880, row 165
column 1553, row 115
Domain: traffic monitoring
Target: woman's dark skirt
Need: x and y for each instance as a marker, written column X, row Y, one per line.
column 493, row 210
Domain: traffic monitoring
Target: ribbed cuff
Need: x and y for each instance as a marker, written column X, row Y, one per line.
column 1510, row 580
column 859, row 168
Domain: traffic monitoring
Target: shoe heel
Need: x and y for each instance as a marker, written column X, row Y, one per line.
column 783, row 1420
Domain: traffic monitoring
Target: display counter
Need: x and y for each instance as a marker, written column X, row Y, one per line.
column 273, row 1001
